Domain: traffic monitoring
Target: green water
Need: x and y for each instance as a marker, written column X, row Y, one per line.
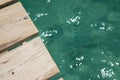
column 83, row 36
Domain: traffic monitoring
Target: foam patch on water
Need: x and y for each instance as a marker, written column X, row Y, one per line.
column 103, row 26
column 107, row 73
column 39, row 15
column 48, row 33
column 74, row 20
column 48, row 1
column 80, row 58
column 71, row 66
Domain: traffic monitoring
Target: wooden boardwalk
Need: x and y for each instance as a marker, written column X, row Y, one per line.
column 15, row 25
column 29, row 61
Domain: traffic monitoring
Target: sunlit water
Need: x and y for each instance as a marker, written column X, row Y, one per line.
column 83, row 36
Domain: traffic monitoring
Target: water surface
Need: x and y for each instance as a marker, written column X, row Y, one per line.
column 83, row 36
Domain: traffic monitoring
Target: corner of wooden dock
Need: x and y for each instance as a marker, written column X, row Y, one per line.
column 30, row 60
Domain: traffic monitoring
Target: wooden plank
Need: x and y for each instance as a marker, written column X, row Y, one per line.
column 15, row 25
column 31, row 61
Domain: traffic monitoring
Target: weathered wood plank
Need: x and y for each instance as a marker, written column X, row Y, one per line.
column 15, row 25
column 31, row 61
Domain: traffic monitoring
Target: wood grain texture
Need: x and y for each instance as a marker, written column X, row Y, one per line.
column 31, row 61
column 15, row 25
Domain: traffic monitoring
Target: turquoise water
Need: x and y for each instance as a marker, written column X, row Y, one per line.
column 83, row 36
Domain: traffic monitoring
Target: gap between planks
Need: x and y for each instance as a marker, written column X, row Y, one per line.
column 5, row 3
column 15, row 25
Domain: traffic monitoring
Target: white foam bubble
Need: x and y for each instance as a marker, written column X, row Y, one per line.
column 48, row 1
column 107, row 72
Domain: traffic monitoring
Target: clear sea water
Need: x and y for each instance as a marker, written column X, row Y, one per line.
column 82, row 36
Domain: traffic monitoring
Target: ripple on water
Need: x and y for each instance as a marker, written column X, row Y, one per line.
column 83, row 36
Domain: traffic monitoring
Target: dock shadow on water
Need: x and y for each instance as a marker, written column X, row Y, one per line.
column 83, row 36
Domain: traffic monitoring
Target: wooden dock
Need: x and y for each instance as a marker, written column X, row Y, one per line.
column 29, row 61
